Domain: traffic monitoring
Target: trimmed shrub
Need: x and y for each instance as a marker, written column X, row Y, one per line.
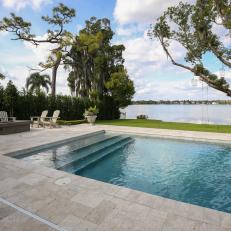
column 70, row 122
column 143, row 117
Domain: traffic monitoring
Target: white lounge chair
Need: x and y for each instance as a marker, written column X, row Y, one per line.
column 38, row 119
column 51, row 121
column 4, row 117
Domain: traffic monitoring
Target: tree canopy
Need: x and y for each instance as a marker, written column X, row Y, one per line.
column 10, row 97
column 22, row 30
column 96, row 66
column 194, row 27
column 93, row 62
column 2, row 76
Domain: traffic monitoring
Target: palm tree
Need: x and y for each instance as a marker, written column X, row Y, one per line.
column 36, row 81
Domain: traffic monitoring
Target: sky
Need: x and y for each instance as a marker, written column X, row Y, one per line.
column 155, row 78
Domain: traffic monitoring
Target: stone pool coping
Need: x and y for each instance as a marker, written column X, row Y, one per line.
column 76, row 203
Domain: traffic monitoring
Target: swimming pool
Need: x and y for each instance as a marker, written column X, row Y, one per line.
column 193, row 172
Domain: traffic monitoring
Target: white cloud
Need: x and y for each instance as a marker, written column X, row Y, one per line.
column 121, row 31
column 3, row 33
column 226, row 74
column 141, row 11
column 130, row 29
column 18, row 59
column 41, row 51
column 174, row 90
column 223, row 33
column 143, row 56
column 20, row 4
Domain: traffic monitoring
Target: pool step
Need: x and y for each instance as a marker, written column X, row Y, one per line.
column 75, row 154
column 88, row 150
column 78, row 152
column 88, row 158
column 69, row 146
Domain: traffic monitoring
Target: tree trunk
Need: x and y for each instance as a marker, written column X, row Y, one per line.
column 54, row 75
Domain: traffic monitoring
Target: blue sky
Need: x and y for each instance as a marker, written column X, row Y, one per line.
column 153, row 75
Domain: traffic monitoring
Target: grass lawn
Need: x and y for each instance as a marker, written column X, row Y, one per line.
column 168, row 125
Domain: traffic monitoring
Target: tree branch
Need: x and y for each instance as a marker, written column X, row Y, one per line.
column 220, row 57
column 211, row 84
column 202, row 77
column 170, row 56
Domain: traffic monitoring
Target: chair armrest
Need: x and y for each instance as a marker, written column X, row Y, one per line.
column 35, row 117
column 51, row 117
column 32, row 118
column 55, row 117
column 47, row 118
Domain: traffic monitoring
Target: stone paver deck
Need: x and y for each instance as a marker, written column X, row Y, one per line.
column 11, row 219
column 86, row 204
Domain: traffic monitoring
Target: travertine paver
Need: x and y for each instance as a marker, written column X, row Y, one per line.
column 86, row 204
column 74, row 223
column 5, row 211
column 12, row 220
column 90, row 198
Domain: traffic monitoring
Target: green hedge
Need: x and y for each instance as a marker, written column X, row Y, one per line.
column 70, row 122
column 71, row 108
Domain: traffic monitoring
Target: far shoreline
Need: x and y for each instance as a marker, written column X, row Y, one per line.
column 181, row 102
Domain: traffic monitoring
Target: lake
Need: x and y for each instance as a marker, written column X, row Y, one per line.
column 212, row 114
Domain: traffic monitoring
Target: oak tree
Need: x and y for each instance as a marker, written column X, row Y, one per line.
column 193, row 27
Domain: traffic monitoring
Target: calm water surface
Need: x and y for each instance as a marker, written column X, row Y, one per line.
column 214, row 114
column 192, row 172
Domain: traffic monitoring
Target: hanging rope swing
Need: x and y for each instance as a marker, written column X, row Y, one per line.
column 207, row 108
column 195, row 80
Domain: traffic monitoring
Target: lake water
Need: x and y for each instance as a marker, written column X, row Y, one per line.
column 212, row 114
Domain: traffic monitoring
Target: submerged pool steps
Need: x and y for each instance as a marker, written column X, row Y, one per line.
column 71, row 154
column 76, row 154
column 61, row 146
column 82, row 144
column 96, row 152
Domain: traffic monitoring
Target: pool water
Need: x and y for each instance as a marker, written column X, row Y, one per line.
column 193, row 172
